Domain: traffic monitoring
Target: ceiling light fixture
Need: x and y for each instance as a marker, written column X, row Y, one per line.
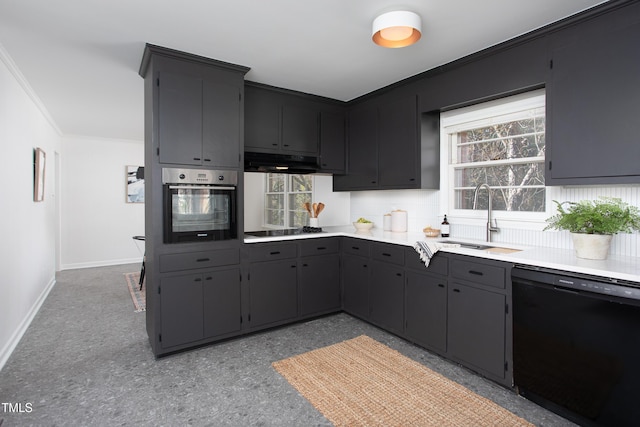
column 396, row 29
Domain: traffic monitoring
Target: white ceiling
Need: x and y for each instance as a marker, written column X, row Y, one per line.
column 81, row 57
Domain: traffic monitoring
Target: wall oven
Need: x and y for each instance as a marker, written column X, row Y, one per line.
column 199, row 205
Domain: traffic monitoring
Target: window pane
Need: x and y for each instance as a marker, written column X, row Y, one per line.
column 520, row 199
column 513, row 140
column 500, row 175
column 275, row 183
column 274, row 217
column 300, row 183
column 298, row 216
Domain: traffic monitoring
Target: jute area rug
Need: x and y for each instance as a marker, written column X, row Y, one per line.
column 138, row 296
column 361, row 382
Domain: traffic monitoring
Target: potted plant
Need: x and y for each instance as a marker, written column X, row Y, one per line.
column 593, row 223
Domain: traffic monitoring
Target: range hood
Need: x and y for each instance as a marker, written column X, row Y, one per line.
column 280, row 163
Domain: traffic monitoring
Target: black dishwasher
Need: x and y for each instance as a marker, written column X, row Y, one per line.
column 576, row 345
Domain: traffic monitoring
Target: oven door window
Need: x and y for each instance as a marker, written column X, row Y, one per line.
column 200, row 210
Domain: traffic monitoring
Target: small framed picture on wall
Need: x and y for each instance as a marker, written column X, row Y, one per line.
column 135, row 184
column 39, row 162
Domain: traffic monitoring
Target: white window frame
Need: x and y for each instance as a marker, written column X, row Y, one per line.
column 476, row 116
column 286, row 194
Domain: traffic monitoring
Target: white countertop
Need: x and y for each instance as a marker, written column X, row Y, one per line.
column 614, row 267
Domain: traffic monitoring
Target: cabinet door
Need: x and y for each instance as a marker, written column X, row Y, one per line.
column 426, row 310
column 399, row 145
column 221, row 296
column 332, row 142
column 386, row 296
column 300, row 132
column 261, row 120
column 362, row 151
column 593, row 99
column 476, row 328
column 355, row 283
column 221, row 125
column 180, row 119
column 181, row 309
column 319, row 284
column 272, row 288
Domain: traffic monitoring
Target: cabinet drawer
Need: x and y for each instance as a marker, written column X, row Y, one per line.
column 267, row 252
column 204, row 259
column 439, row 264
column 489, row 275
column 319, row 246
column 356, row 247
column 388, row 253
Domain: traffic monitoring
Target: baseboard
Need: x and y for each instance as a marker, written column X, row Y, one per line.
column 107, row 263
column 24, row 325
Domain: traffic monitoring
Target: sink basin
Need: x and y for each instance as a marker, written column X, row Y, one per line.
column 467, row 245
column 479, row 247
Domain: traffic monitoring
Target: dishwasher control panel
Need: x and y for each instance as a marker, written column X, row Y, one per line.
column 598, row 287
column 580, row 283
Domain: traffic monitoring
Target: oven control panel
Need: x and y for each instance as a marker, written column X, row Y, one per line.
column 199, row 176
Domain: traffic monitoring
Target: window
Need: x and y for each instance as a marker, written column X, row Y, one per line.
column 285, row 196
column 500, row 143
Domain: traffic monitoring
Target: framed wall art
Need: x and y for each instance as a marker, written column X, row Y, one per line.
column 39, row 163
column 135, row 184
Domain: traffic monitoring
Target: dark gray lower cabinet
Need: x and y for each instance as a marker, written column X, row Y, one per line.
column 426, row 310
column 221, row 297
column 319, row 284
column 386, row 296
column 273, row 292
column 181, row 310
column 199, row 306
column 476, row 328
column 355, row 282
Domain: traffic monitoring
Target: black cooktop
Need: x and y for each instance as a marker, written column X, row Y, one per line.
column 284, row 232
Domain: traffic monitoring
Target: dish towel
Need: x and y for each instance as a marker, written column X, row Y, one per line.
column 427, row 250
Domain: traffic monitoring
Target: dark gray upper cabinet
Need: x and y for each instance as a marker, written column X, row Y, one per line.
column 288, row 122
column 362, row 151
column 398, row 144
column 180, row 130
column 261, row 120
column 300, row 129
column 332, row 141
column 391, row 146
column 198, row 121
column 280, row 123
column 593, row 100
column 221, row 126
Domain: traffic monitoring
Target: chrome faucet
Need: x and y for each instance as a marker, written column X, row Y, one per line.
column 490, row 227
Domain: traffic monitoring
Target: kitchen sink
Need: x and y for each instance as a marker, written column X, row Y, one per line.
column 467, row 245
column 479, row 247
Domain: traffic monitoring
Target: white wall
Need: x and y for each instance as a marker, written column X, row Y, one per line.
column 28, row 229
column 423, row 209
column 97, row 224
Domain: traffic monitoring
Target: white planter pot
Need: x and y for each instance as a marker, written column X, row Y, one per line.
column 591, row 246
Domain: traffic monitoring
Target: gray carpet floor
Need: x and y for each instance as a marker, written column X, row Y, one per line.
column 86, row 361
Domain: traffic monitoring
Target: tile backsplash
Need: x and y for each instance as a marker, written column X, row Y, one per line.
column 423, row 208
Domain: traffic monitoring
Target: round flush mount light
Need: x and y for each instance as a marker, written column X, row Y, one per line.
column 396, row 29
